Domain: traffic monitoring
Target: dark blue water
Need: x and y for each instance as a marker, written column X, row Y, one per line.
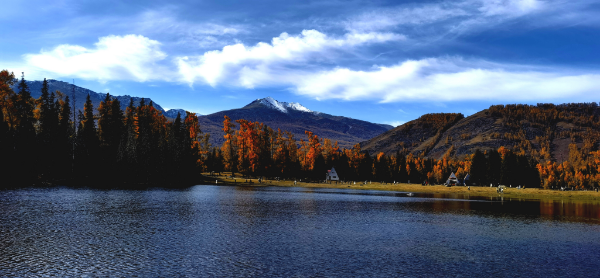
column 208, row 231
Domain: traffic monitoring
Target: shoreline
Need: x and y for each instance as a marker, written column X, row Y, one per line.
column 475, row 191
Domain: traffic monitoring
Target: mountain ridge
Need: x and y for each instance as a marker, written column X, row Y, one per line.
column 35, row 88
column 295, row 118
column 288, row 116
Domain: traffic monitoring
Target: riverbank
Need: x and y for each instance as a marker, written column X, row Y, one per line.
column 459, row 191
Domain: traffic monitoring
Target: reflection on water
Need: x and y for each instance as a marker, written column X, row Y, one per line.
column 246, row 231
column 569, row 209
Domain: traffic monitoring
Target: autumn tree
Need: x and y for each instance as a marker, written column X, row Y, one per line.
column 381, row 170
column 195, row 149
column 314, row 163
column 7, row 126
column 227, row 149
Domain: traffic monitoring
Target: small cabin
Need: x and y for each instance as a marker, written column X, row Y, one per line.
column 332, row 175
column 452, row 180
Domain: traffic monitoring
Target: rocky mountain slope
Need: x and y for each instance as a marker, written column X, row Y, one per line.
column 543, row 131
column 295, row 118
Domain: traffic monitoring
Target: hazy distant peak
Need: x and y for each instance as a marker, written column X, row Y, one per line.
column 172, row 113
column 282, row 106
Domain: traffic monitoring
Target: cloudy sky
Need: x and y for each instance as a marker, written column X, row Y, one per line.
column 381, row 61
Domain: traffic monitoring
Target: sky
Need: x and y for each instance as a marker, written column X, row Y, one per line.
column 380, row 61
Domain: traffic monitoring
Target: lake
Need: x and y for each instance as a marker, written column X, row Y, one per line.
column 224, row 231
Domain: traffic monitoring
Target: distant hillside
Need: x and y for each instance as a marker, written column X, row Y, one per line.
column 295, row 118
column 417, row 136
column 35, row 87
column 543, row 131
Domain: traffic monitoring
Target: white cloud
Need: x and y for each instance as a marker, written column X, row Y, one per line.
column 130, row 57
column 447, row 79
column 382, row 19
column 265, row 63
column 164, row 23
column 292, row 61
column 444, row 17
column 510, row 7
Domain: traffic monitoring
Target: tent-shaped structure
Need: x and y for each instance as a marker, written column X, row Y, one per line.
column 332, row 175
column 452, row 180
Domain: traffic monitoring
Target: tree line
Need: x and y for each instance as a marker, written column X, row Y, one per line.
column 43, row 140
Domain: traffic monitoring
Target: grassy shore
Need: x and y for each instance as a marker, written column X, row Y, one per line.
column 459, row 191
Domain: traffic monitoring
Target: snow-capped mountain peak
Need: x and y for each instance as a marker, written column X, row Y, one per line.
column 273, row 104
column 282, row 106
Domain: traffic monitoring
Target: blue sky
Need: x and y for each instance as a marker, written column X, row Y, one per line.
column 380, row 61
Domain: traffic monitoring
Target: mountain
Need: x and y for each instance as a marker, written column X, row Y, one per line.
column 417, row 136
column 35, row 88
column 544, row 131
column 283, row 107
column 171, row 114
column 295, row 118
column 291, row 116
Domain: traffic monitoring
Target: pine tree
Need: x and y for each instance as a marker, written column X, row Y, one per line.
column 478, row 168
column 494, row 164
column 48, row 141
column 48, row 115
column 110, row 130
column 88, row 144
column 25, row 146
column 65, row 138
column 509, row 169
column 127, row 155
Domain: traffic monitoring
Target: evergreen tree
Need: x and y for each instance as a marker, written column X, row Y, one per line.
column 48, row 115
column 65, row 139
column 24, row 136
column 401, row 175
column 494, row 167
column 478, row 168
column 127, row 155
column 509, row 170
column 319, row 170
column 88, row 141
column 110, row 129
column 48, row 132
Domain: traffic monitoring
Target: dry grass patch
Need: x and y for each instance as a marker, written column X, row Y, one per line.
column 527, row 193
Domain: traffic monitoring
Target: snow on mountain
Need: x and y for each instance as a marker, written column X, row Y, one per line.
column 172, row 113
column 273, row 104
column 297, row 106
column 283, row 106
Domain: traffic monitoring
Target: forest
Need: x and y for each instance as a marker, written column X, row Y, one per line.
column 44, row 141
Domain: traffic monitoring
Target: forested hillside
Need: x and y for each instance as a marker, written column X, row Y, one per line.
column 542, row 131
